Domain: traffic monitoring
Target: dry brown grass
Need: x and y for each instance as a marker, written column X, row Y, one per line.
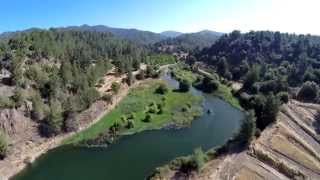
column 283, row 145
column 248, row 174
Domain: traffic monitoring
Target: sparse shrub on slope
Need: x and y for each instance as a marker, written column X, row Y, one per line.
column 309, row 91
column 3, row 145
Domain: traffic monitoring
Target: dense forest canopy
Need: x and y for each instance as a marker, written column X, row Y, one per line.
column 57, row 71
column 71, row 45
column 295, row 57
column 134, row 35
column 271, row 65
column 171, row 34
column 188, row 42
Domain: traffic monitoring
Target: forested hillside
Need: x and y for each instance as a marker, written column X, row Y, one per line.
column 270, row 65
column 134, row 35
column 5, row 35
column 57, row 70
column 276, row 55
column 188, row 42
column 171, row 34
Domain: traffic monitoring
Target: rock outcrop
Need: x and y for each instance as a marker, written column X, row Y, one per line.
column 13, row 122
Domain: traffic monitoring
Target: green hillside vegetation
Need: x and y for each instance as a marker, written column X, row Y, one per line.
column 160, row 59
column 57, row 71
column 268, row 64
column 212, row 84
column 190, row 41
column 273, row 56
column 182, row 72
column 133, row 35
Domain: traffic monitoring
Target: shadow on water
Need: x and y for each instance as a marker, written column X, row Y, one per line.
column 134, row 157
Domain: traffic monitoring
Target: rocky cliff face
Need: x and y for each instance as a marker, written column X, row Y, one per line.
column 13, row 122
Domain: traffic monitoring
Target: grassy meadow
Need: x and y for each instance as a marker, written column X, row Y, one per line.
column 177, row 107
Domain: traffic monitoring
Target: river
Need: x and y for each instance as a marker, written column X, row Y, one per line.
column 134, row 157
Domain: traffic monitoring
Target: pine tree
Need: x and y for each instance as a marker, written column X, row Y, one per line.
column 248, row 128
column 38, row 107
column 54, row 121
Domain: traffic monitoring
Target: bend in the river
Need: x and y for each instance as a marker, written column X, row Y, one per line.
column 136, row 156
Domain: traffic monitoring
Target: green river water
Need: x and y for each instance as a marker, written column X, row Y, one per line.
column 134, row 157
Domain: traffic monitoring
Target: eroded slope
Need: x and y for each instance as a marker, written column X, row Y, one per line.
column 289, row 149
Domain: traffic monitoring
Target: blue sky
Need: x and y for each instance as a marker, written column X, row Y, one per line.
column 160, row 15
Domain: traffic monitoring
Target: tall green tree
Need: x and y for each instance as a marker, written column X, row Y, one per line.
column 19, row 97
column 248, row 128
column 66, row 72
column 251, row 77
column 130, row 78
column 54, row 121
column 184, row 85
column 199, row 158
column 16, row 68
column 270, row 111
column 38, row 107
column 309, row 91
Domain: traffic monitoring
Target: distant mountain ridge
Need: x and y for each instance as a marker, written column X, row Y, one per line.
column 171, row 34
column 6, row 35
column 202, row 38
column 135, row 35
column 209, row 32
column 188, row 41
column 184, row 41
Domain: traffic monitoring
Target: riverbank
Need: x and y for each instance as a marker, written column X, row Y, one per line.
column 34, row 146
column 223, row 91
column 25, row 149
column 175, row 99
column 176, row 167
column 139, row 154
column 288, row 149
column 176, row 107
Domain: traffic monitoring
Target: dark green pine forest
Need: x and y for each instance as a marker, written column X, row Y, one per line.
column 188, row 42
column 271, row 65
column 57, row 69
